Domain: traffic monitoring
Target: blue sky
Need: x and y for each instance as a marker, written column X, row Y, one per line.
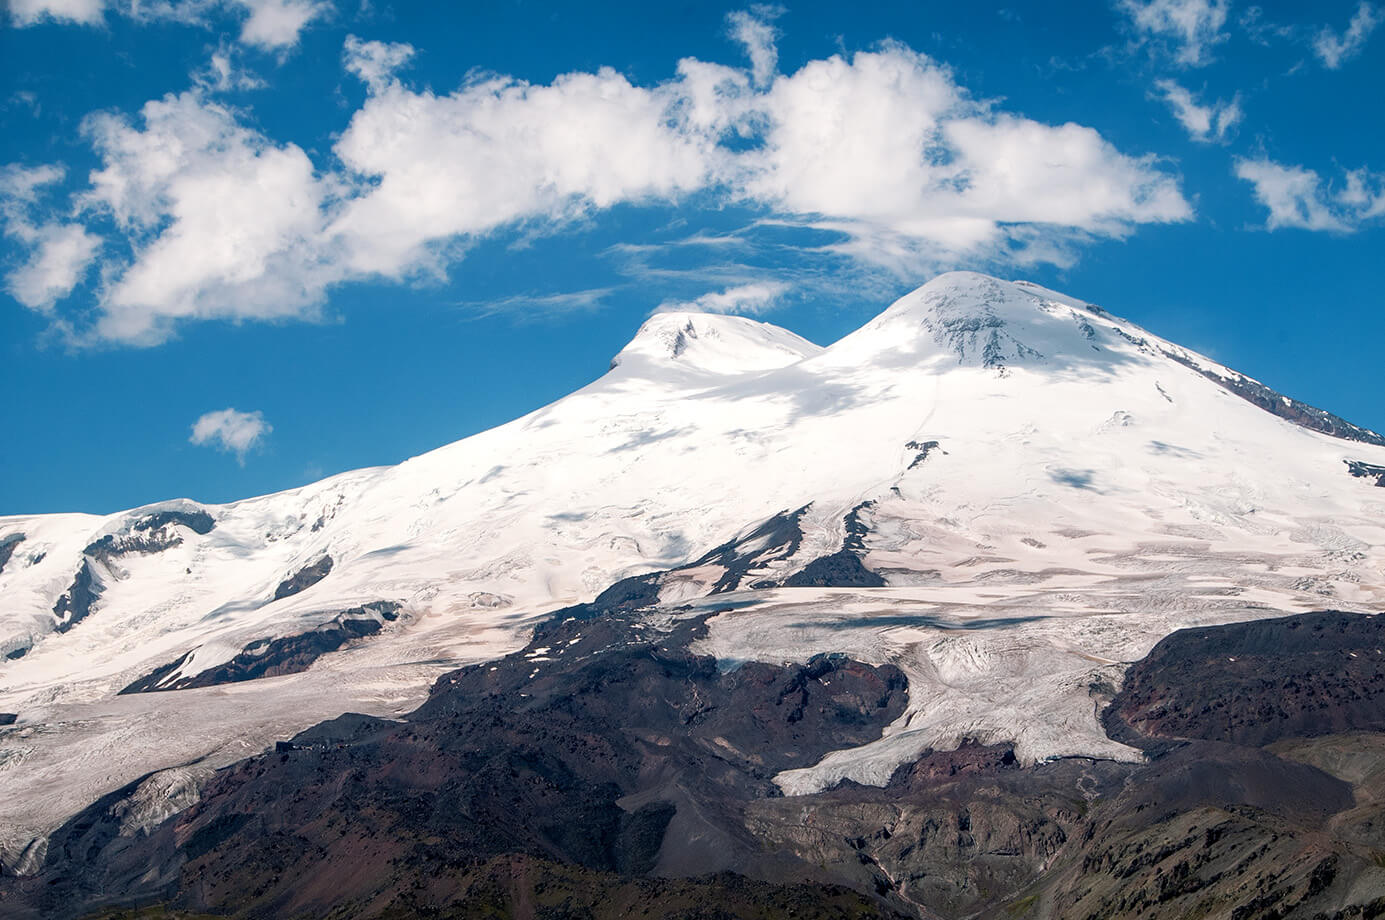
column 249, row 243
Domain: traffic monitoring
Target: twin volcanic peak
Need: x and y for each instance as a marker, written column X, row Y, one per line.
column 1005, row 493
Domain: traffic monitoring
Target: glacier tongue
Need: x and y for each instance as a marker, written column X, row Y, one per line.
column 1045, row 488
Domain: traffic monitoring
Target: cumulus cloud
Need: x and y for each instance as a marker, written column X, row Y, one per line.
column 1334, row 49
column 270, row 24
column 1205, row 123
column 1298, row 197
column 882, row 149
column 756, row 297
column 501, row 151
column 1188, row 29
column 231, row 431
column 222, row 222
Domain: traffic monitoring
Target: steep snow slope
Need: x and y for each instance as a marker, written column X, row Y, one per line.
column 1045, row 489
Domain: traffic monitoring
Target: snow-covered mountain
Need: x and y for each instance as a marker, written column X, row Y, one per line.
column 1003, row 491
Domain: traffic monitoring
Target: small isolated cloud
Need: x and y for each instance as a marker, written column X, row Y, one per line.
column 757, row 297
column 1187, row 29
column 231, row 431
column 1298, row 197
column 375, row 63
column 1204, row 123
column 225, row 73
column 276, row 24
column 1334, row 49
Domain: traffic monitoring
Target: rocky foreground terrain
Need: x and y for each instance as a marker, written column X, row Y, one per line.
column 633, row 777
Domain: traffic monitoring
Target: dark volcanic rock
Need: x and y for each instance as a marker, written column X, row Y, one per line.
column 272, row 657
column 304, row 578
column 557, row 780
column 1367, row 471
column 603, row 745
column 75, row 604
column 1292, row 410
column 518, row 886
column 1252, row 683
column 777, row 538
column 199, row 521
column 780, row 536
column 8, row 718
column 856, row 528
column 152, row 533
column 923, row 448
column 7, row 548
column 842, row 569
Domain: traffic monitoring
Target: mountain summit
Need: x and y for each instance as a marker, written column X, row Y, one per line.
column 1004, row 493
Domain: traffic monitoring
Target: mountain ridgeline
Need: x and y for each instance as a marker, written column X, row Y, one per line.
column 1000, row 606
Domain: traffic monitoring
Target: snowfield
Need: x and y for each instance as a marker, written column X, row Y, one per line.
column 1092, row 488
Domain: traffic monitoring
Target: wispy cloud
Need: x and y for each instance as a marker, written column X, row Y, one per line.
column 754, row 298
column 269, row 24
column 755, row 30
column 375, row 63
column 1298, row 197
column 1187, row 30
column 59, row 251
column 1335, row 49
column 522, row 305
column 1205, row 123
column 231, row 431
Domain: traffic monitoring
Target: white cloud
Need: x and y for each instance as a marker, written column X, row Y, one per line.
column 755, row 32
column 1334, row 49
column 883, row 149
column 270, row 24
column 21, row 184
column 276, row 24
column 501, row 151
column 753, row 298
column 375, row 62
column 224, row 72
column 1189, row 28
column 1298, row 197
column 522, row 306
column 231, row 431
column 31, row 12
column 889, row 150
column 59, row 252
column 61, row 255
column 1205, row 123
column 222, row 222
